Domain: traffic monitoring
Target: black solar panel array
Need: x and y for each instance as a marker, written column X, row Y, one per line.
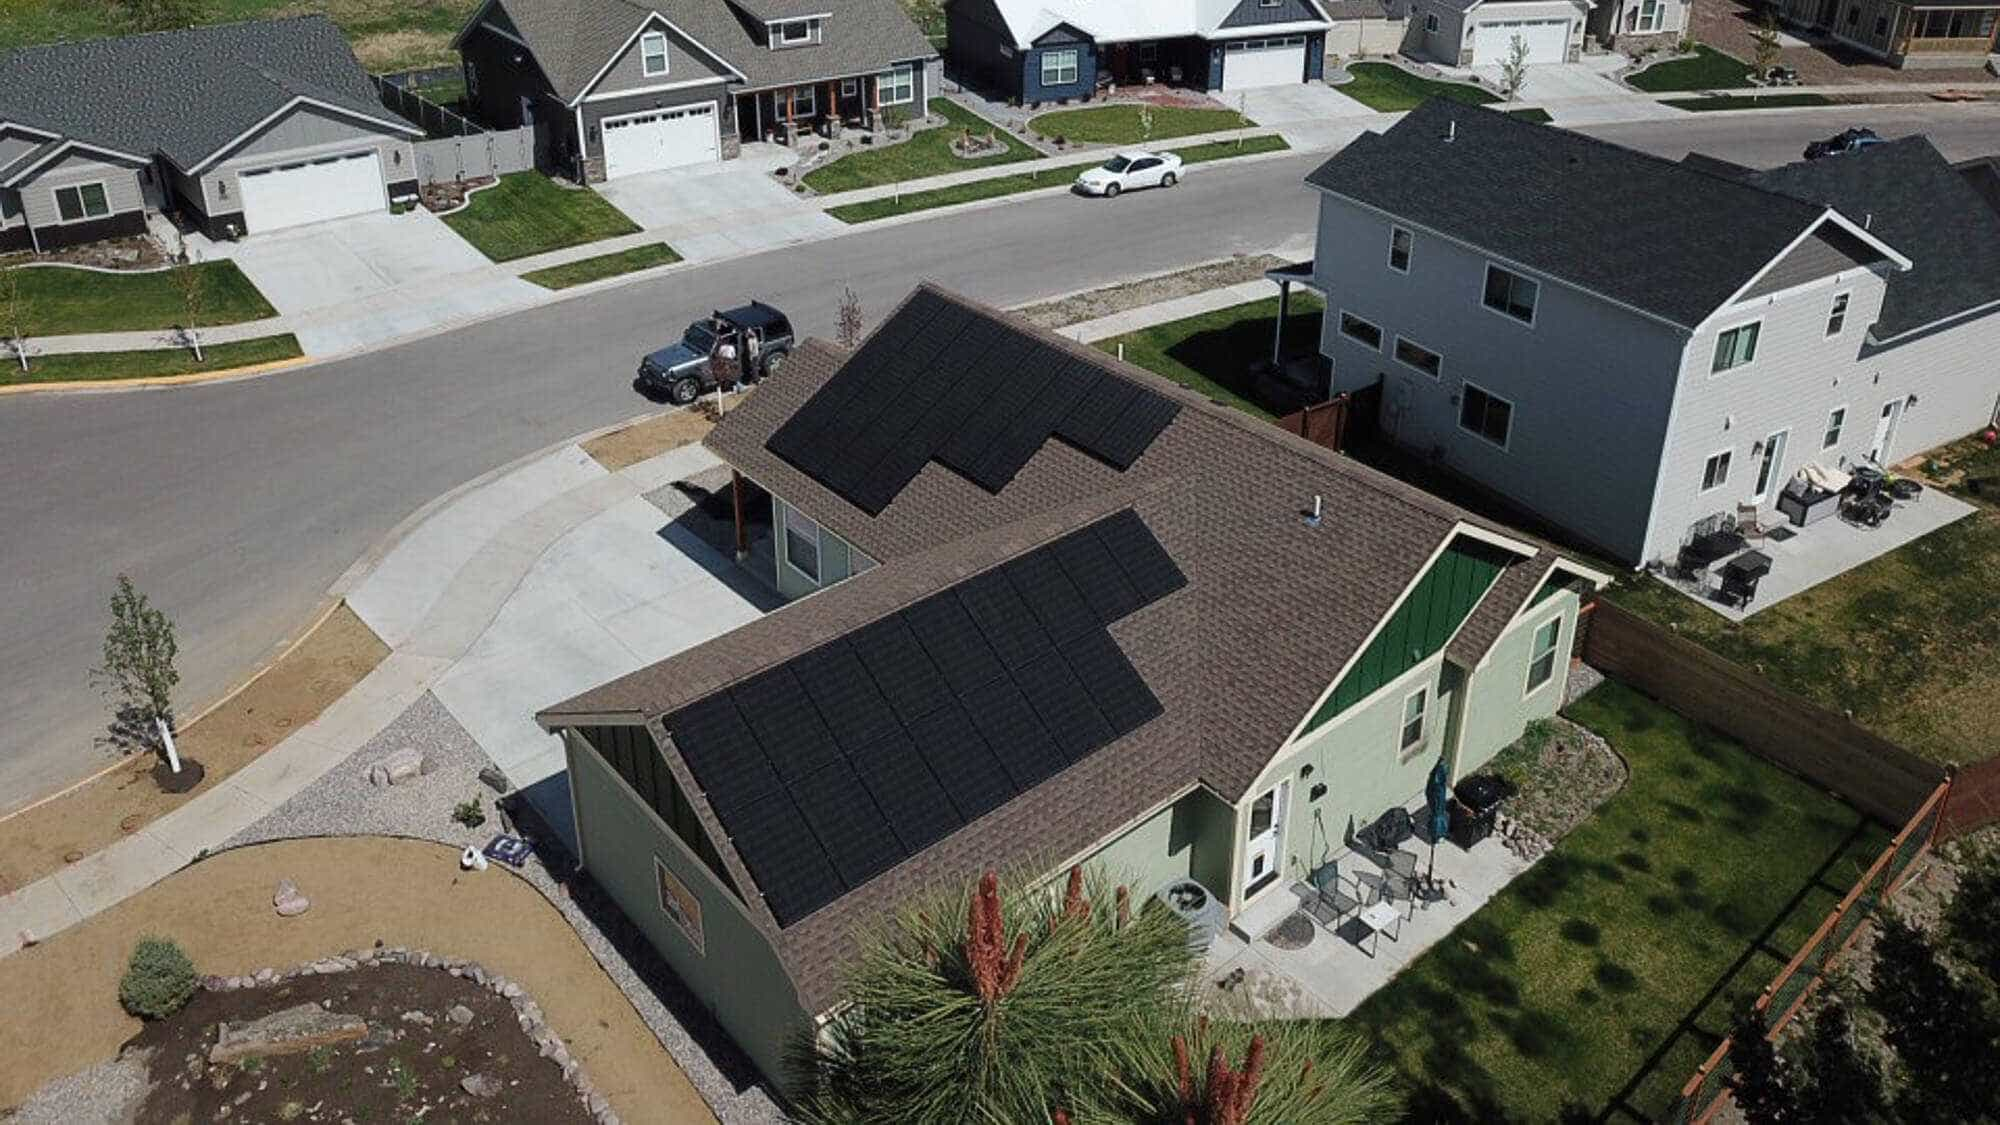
column 834, row 766
column 941, row 381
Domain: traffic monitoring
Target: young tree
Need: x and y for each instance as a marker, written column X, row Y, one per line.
column 1944, row 1038
column 1145, row 121
column 139, row 651
column 1758, row 1085
column 14, row 312
column 848, row 322
column 1764, row 51
column 1514, row 72
column 187, row 277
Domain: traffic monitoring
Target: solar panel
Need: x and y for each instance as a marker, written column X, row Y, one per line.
column 901, row 668
column 985, row 425
column 1003, row 718
column 784, row 857
column 785, row 722
column 954, row 642
column 853, row 709
column 1146, row 563
column 1114, row 685
column 853, row 831
column 1133, row 431
column 972, row 777
column 1097, row 575
column 1064, row 706
column 1004, row 619
column 906, row 791
column 1049, row 594
column 1100, row 403
column 721, row 752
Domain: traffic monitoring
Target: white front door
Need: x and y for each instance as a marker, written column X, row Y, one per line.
column 1547, row 40
column 1885, row 431
column 1267, row 832
column 659, row 139
column 1250, row 63
column 1770, row 470
column 331, row 187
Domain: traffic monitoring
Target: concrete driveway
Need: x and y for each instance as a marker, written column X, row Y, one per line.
column 716, row 211
column 1309, row 115
column 354, row 281
column 1579, row 93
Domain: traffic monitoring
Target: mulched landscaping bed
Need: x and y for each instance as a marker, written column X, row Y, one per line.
column 404, row 1069
column 1560, row 772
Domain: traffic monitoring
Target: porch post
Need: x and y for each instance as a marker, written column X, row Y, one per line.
column 757, row 101
column 1284, row 310
column 742, row 528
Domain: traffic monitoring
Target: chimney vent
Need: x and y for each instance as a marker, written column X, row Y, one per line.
column 1318, row 508
column 1451, row 131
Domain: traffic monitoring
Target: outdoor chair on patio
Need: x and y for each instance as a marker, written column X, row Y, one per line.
column 1330, row 904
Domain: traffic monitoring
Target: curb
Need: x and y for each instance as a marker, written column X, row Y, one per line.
column 154, row 381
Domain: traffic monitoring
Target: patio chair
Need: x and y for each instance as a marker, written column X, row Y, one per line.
column 1330, row 904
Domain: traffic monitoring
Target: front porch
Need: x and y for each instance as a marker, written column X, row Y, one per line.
column 782, row 114
column 1178, row 62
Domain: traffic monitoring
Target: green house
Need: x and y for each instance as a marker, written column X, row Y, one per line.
column 1050, row 610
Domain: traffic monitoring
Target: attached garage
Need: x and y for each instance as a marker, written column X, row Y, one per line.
column 1547, row 40
column 660, row 139
column 1250, row 63
column 312, row 191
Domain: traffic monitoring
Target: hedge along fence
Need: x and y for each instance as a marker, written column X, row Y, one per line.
column 1708, row 1090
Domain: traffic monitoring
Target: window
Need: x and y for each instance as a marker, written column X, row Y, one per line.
column 1735, row 347
column 797, row 31
column 1149, row 53
column 1542, row 654
column 850, row 87
column 897, row 87
column 1512, row 294
column 1838, row 317
column 1269, row 3
column 1431, row 23
column 84, row 201
column 1652, row 15
column 805, row 101
column 801, row 543
column 653, row 53
column 1411, row 739
column 1715, row 472
column 1415, row 355
column 1487, row 415
column 1360, row 331
column 472, row 84
column 1881, row 25
column 1835, row 421
column 1399, row 249
column 1059, row 67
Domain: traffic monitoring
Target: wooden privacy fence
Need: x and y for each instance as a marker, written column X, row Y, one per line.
column 1335, row 422
column 452, row 159
column 1707, row 1091
column 1868, row 771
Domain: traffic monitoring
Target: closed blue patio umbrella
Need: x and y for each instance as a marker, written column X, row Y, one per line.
column 1437, row 793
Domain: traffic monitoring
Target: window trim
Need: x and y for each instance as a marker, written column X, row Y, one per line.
column 850, row 87
column 1408, row 254
column 1756, row 330
column 1431, row 24
column 784, row 37
column 646, row 42
column 1397, row 352
column 1407, row 747
column 1728, row 462
column 819, row 545
column 1075, row 66
column 1529, row 686
column 908, row 69
column 83, row 212
column 1464, row 389
column 1833, row 431
column 1836, row 313
column 1486, row 281
column 1340, row 325
column 793, row 101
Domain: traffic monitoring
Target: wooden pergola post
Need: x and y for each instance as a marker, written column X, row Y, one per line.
column 742, row 528
column 1278, row 336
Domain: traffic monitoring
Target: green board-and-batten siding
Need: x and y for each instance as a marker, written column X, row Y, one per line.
column 631, row 753
column 1421, row 625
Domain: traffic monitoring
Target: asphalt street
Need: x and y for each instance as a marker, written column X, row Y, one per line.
column 236, row 505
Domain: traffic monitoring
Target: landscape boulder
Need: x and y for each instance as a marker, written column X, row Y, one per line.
column 398, row 767
column 288, row 901
column 298, row 1028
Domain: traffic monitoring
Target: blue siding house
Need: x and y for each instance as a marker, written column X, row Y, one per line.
column 1034, row 51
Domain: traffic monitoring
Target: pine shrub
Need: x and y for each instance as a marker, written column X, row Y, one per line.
column 159, row 980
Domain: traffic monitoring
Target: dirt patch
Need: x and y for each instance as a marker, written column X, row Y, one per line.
column 1560, row 772
column 414, row 1061
column 134, row 252
column 402, row 50
column 42, row 839
column 363, row 889
column 651, row 437
column 1065, row 311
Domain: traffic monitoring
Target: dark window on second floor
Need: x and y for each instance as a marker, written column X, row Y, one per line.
column 1400, row 241
column 1512, row 294
column 1360, row 331
column 1487, row 415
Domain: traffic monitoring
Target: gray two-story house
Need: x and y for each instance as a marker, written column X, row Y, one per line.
column 1625, row 373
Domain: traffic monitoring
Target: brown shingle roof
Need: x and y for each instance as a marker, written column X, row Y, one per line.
column 1272, row 610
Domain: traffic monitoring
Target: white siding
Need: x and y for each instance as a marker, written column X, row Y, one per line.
column 304, row 132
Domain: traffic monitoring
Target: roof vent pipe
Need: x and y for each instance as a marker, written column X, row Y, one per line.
column 1868, row 221
column 1319, row 506
column 1451, row 131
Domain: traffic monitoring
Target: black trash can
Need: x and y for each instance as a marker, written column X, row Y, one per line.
column 1475, row 802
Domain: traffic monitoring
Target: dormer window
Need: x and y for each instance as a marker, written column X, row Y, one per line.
column 794, row 33
column 653, row 53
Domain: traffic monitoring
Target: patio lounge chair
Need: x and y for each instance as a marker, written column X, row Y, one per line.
column 1330, row 904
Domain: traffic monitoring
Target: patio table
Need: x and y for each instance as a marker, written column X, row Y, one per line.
column 1378, row 917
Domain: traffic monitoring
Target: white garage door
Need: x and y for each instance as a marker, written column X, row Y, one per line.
column 1493, row 43
column 1250, row 63
column 665, row 138
column 332, row 187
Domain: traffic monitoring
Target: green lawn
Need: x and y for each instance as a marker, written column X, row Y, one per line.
column 527, row 213
column 386, row 36
column 1212, row 353
column 1970, row 468
column 1746, row 101
column 928, row 153
column 1610, row 970
column 1121, row 124
column 140, row 365
column 1709, row 69
column 603, row 266
column 1391, row 89
column 887, row 206
column 1910, row 643
column 61, row 301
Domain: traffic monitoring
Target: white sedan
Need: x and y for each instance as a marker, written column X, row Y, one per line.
column 1129, row 170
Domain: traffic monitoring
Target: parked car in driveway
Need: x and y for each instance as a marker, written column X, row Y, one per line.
column 1845, row 141
column 1129, row 170
column 752, row 341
